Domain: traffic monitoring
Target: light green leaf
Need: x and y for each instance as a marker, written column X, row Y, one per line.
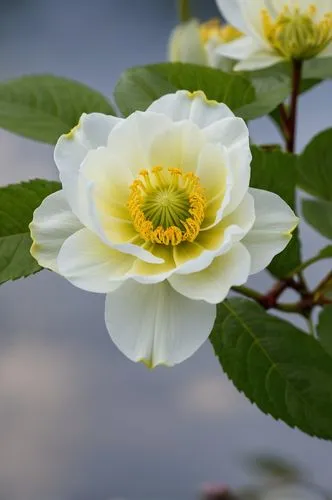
column 320, row 68
column 17, row 204
column 42, row 107
column 318, row 214
column 276, row 171
column 283, row 370
column 315, row 166
column 139, row 87
column 324, row 329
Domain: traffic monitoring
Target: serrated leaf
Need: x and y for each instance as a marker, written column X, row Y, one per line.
column 276, row 171
column 17, row 204
column 283, row 370
column 315, row 166
column 42, row 107
column 324, row 329
column 138, row 87
column 318, row 213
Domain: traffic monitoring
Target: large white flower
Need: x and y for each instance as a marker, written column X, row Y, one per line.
column 157, row 213
column 192, row 42
column 277, row 30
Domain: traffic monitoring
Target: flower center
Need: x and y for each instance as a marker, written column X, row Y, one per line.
column 166, row 205
column 213, row 29
column 297, row 34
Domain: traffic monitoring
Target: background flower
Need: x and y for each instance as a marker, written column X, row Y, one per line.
column 276, row 30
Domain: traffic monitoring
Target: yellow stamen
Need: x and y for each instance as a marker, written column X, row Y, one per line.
column 297, row 34
column 167, row 206
column 213, row 29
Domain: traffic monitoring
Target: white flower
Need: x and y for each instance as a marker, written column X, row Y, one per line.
column 196, row 43
column 157, row 213
column 277, row 30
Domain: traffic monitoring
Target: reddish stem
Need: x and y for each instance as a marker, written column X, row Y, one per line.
column 291, row 128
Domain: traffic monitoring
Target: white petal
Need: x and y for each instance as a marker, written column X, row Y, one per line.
column 53, row 222
column 231, row 10
column 89, row 264
column 228, row 132
column 210, row 243
column 213, row 283
column 238, row 49
column 71, row 149
column 239, row 158
column 193, row 106
column 259, row 60
column 155, row 324
column 131, row 140
column 272, row 230
column 185, row 44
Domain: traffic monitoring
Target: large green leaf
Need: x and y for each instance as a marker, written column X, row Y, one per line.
column 318, row 213
column 139, row 87
column 324, row 329
column 17, row 204
column 315, row 166
column 276, row 171
column 320, row 68
column 283, row 370
column 42, row 107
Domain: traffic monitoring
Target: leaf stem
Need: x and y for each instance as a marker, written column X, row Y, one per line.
column 184, row 10
column 292, row 119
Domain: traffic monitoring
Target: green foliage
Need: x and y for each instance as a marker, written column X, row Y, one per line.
column 276, row 171
column 284, row 371
column 324, row 329
column 17, row 204
column 315, row 166
column 318, row 213
column 42, row 107
column 139, row 87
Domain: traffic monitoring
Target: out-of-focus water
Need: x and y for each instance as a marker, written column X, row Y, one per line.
column 78, row 421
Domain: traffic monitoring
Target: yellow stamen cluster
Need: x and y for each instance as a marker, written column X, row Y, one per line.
column 297, row 34
column 167, row 206
column 213, row 29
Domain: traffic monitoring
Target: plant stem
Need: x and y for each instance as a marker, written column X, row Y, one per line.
column 296, row 83
column 184, row 10
column 311, row 326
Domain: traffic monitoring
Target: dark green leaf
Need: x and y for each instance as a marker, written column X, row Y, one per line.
column 324, row 329
column 276, row 171
column 17, row 204
column 315, row 166
column 42, row 107
column 139, row 87
column 283, row 370
column 318, row 214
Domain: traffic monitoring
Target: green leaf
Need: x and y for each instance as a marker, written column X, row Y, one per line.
column 138, row 87
column 283, row 370
column 326, row 253
column 324, row 329
column 318, row 214
column 17, row 204
column 42, row 107
column 319, row 68
column 276, row 171
column 315, row 166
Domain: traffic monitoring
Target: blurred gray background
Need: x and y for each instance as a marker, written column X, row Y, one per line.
column 78, row 421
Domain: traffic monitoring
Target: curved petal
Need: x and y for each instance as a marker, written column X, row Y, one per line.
column 147, row 273
column 155, row 324
column 185, row 44
column 196, row 256
column 213, row 283
column 259, row 60
column 131, row 140
column 193, row 106
column 272, row 230
column 89, row 264
column 231, row 11
column 91, row 132
column 53, row 222
column 239, row 49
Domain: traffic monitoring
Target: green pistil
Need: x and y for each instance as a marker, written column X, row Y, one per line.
column 167, row 207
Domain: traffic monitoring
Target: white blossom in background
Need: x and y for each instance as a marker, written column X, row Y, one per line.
column 192, row 42
column 277, row 30
column 156, row 212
